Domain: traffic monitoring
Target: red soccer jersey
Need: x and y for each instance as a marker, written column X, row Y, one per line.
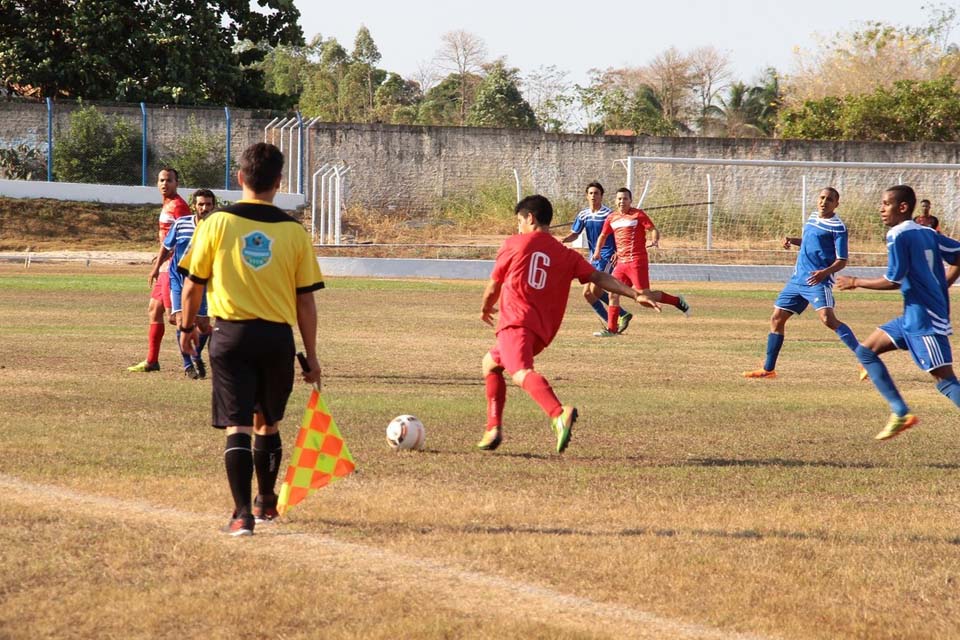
column 535, row 271
column 173, row 208
column 630, row 232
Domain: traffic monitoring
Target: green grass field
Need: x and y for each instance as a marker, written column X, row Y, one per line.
column 691, row 503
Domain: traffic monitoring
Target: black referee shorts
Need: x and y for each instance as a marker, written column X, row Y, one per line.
column 252, row 366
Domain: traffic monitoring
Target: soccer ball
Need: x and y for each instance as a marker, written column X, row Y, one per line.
column 406, row 432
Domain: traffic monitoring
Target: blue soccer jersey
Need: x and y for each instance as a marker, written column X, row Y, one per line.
column 178, row 240
column 824, row 242
column 915, row 261
column 592, row 223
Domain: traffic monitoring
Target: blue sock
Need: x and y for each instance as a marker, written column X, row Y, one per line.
column 950, row 388
column 847, row 337
column 774, row 342
column 603, row 297
column 600, row 309
column 881, row 379
column 203, row 342
column 186, row 358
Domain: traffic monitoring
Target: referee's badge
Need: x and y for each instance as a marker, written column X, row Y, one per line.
column 256, row 249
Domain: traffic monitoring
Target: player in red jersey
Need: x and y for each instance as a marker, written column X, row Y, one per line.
column 629, row 227
column 531, row 279
column 173, row 207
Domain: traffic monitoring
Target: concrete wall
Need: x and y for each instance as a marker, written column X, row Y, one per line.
column 409, row 169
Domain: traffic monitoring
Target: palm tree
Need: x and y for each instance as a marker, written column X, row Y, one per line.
column 739, row 115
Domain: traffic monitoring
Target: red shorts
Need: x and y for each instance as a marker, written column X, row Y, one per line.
column 634, row 274
column 161, row 288
column 515, row 349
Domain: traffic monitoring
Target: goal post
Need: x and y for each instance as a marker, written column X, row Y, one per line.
column 735, row 211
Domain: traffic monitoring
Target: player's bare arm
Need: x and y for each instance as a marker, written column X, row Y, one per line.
column 570, row 237
column 158, row 260
column 307, row 323
column 816, row 277
column 654, row 238
column 191, row 298
column 609, row 283
column 601, row 241
column 952, row 273
column 790, row 241
column 490, row 296
column 849, row 283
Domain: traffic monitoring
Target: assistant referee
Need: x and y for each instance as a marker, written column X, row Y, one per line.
column 260, row 273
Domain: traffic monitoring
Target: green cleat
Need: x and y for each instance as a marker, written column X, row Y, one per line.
column 897, row 425
column 491, row 439
column 562, row 425
column 145, row 367
column 605, row 333
column 684, row 307
column 623, row 322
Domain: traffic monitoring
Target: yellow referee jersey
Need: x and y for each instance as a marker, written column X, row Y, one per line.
column 254, row 259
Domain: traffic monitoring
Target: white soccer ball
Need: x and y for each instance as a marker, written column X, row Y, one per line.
column 406, row 432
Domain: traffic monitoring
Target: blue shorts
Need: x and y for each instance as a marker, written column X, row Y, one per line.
column 176, row 290
column 795, row 297
column 603, row 264
column 929, row 351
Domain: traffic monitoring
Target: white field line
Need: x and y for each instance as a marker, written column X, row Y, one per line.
column 449, row 586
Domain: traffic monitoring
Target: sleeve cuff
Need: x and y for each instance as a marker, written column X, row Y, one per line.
column 194, row 278
column 316, row 286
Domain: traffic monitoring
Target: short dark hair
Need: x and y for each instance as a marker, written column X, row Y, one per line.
column 539, row 206
column 924, row 200
column 904, row 193
column 176, row 174
column 626, row 191
column 836, row 194
column 261, row 165
column 594, row 184
column 203, row 193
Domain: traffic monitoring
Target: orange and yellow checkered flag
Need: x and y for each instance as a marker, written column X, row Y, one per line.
column 320, row 455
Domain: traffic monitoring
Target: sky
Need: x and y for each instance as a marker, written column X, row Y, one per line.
column 756, row 34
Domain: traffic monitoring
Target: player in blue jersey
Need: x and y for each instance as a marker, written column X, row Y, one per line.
column 175, row 244
column 591, row 220
column 915, row 255
column 823, row 252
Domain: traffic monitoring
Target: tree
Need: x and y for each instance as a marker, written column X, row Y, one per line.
column 499, row 102
column 737, row 115
column 709, row 75
column 463, row 54
column 670, row 75
column 396, row 100
column 908, row 111
column 551, row 96
column 875, row 55
column 366, row 56
column 441, row 104
column 169, row 51
column 98, row 149
column 286, row 68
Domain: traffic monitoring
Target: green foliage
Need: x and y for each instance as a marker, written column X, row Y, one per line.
column 176, row 51
column 441, row 104
column 23, row 162
column 200, row 158
column 489, row 207
column 98, row 149
column 499, row 102
column 926, row 111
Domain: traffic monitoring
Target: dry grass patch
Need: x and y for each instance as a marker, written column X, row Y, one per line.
column 689, row 495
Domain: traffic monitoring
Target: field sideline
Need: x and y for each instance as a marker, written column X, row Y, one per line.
column 691, row 503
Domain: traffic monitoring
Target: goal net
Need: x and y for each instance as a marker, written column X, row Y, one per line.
column 726, row 211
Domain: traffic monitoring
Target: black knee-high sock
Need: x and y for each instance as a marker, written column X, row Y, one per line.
column 267, row 452
column 238, row 460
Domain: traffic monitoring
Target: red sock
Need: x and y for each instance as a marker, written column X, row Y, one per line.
column 613, row 318
column 666, row 298
column 156, row 335
column 541, row 392
column 496, row 396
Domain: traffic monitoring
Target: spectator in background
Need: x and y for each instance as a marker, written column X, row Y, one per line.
column 925, row 218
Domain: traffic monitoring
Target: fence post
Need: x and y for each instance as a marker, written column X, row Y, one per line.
column 143, row 145
column 709, row 213
column 226, row 169
column 301, row 158
column 49, row 139
column 803, row 201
